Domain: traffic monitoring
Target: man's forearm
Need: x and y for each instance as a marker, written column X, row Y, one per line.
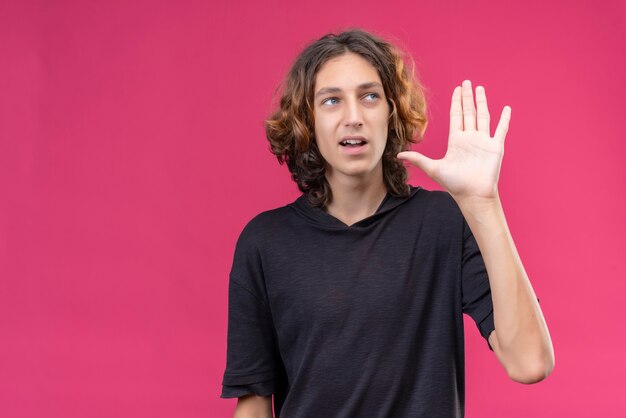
column 253, row 406
column 521, row 331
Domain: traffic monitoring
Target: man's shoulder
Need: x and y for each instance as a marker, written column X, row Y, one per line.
column 265, row 224
column 439, row 202
column 270, row 217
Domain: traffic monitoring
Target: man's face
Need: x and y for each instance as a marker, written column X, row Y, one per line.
column 349, row 101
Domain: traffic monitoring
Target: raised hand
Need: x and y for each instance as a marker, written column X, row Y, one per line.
column 471, row 166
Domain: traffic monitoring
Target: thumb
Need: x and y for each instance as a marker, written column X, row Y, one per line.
column 419, row 160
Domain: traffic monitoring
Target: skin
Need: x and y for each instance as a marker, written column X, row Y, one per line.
column 253, row 406
column 469, row 172
column 344, row 107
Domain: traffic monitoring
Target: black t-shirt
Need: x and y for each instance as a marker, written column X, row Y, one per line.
column 356, row 321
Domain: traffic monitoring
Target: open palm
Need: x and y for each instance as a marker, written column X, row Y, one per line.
column 471, row 166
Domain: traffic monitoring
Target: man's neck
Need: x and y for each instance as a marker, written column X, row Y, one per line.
column 355, row 200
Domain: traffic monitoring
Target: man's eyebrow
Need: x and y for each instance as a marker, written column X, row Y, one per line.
column 363, row 86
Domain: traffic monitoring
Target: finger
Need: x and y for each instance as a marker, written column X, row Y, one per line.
column 503, row 125
column 419, row 160
column 456, row 111
column 469, row 111
column 482, row 111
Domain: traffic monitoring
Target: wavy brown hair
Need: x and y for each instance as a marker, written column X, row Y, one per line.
column 290, row 130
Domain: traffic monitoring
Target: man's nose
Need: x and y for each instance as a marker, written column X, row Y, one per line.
column 353, row 113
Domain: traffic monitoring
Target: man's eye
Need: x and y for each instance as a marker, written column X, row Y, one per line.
column 325, row 101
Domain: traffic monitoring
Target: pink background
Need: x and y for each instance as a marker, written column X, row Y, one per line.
column 132, row 154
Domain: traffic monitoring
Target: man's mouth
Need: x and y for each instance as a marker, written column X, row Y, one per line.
column 353, row 142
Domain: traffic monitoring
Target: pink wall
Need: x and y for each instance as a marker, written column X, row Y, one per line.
column 132, row 154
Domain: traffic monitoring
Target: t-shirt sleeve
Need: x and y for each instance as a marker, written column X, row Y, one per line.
column 477, row 302
column 251, row 353
column 476, row 291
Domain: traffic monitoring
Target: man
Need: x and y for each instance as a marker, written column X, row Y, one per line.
column 348, row 302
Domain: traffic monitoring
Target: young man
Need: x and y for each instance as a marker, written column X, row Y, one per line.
column 348, row 302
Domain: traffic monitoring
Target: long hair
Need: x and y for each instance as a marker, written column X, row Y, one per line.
column 290, row 129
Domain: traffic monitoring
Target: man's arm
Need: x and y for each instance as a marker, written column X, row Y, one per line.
column 253, row 406
column 522, row 342
column 469, row 172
